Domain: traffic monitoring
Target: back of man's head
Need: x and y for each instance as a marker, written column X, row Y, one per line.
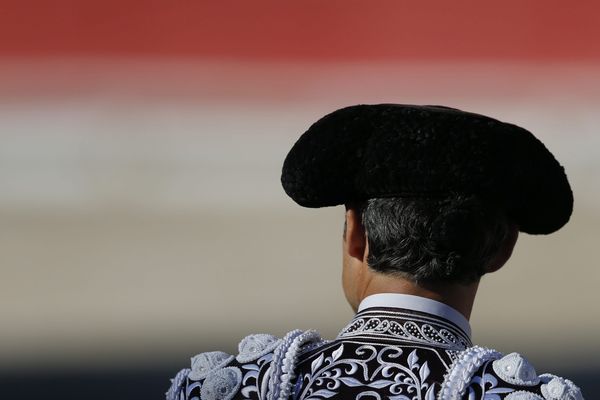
column 456, row 238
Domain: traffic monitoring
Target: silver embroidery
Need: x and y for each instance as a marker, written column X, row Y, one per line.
column 426, row 333
column 253, row 347
column 557, row 388
column 251, row 378
column 328, row 374
column 282, row 385
column 177, row 384
column 221, row 384
column 275, row 371
column 521, row 395
column 488, row 384
column 462, row 371
column 204, row 363
column 515, row 369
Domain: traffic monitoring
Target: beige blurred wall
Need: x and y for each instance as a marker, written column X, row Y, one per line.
column 143, row 222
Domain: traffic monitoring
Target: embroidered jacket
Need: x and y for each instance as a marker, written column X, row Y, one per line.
column 397, row 347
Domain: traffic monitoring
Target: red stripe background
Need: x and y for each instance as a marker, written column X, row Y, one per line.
column 335, row 30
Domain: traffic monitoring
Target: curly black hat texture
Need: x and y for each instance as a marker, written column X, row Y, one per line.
column 394, row 150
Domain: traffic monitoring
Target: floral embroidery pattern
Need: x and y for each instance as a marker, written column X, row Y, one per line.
column 380, row 355
column 252, row 389
column 404, row 376
column 489, row 387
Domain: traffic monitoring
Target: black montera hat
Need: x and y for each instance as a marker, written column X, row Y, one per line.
column 394, row 150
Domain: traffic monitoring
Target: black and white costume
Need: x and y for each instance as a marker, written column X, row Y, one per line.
column 400, row 347
column 397, row 347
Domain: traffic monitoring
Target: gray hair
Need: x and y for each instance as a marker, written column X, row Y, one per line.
column 450, row 239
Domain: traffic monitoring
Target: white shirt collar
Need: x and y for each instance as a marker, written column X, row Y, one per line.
column 416, row 303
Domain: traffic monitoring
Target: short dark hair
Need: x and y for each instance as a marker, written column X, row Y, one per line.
column 451, row 239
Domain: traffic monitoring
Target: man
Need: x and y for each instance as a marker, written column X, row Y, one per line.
column 435, row 198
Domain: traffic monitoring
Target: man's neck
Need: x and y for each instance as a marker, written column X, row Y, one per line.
column 458, row 296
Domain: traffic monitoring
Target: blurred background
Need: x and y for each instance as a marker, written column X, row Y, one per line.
column 141, row 142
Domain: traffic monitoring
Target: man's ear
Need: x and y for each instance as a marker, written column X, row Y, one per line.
column 506, row 250
column 355, row 240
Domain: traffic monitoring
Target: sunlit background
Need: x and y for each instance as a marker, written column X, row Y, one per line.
column 141, row 143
